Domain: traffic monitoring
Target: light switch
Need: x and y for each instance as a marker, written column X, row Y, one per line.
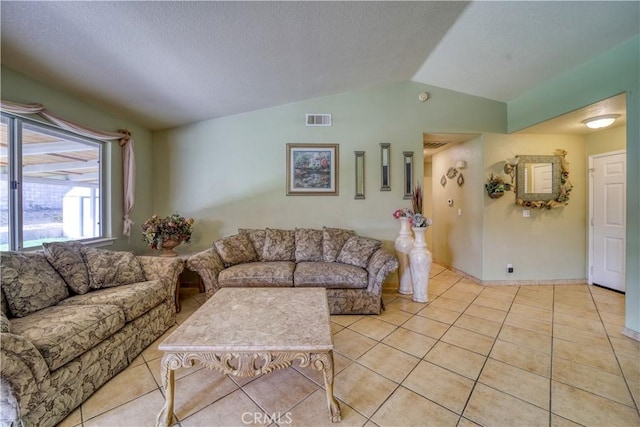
column 526, row 213
column 459, row 212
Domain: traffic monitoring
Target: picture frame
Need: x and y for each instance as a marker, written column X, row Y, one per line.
column 408, row 174
column 385, row 167
column 359, row 193
column 312, row 169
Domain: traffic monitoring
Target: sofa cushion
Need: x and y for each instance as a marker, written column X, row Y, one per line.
column 29, row 282
column 330, row 275
column 279, row 245
column 257, row 238
column 111, row 268
column 62, row 333
column 258, row 274
column 332, row 241
column 5, row 323
column 308, row 244
column 66, row 258
column 357, row 251
column 236, row 249
column 134, row 299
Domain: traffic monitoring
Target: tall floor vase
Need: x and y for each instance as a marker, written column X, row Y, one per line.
column 403, row 244
column 420, row 261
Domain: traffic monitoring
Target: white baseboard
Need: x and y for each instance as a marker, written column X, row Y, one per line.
column 631, row 333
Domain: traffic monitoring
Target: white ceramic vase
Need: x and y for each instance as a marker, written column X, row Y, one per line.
column 403, row 244
column 420, row 261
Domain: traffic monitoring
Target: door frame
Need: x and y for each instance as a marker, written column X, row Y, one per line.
column 590, row 217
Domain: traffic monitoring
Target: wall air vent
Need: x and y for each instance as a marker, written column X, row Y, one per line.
column 433, row 145
column 318, row 120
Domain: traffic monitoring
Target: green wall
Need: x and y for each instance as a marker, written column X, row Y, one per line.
column 555, row 238
column 490, row 233
column 19, row 88
column 457, row 239
column 609, row 74
column 607, row 140
column 230, row 172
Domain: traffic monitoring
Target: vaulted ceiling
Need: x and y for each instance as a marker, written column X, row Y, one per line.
column 168, row 63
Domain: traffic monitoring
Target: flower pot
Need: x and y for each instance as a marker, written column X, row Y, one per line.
column 168, row 246
column 403, row 244
column 496, row 194
column 420, row 261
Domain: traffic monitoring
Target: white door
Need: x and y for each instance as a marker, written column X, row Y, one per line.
column 608, row 222
column 541, row 179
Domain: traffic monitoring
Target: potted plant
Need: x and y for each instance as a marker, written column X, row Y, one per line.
column 167, row 233
column 496, row 186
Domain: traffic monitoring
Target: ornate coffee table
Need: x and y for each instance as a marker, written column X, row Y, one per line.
column 246, row 332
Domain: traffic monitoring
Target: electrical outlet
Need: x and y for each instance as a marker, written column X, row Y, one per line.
column 509, row 268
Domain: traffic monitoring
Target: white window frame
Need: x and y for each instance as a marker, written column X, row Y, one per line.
column 14, row 175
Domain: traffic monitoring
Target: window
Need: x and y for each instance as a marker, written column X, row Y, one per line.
column 50, row 185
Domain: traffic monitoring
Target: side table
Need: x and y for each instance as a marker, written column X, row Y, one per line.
column 187, row 278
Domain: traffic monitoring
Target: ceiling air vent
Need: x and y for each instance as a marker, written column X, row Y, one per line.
column 433, row 145
column 318, row 120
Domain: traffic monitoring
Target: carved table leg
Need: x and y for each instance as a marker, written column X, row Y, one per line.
column 324, row 361
column 166, row 371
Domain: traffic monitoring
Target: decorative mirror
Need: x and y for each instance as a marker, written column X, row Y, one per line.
column 359, row 174
column 542, row 181
column 408, row 174
column 385, row 166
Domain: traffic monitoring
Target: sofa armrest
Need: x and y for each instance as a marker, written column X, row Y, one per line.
column 208, row 265
column 24, row 373
column 381, row 263
column 163, row 269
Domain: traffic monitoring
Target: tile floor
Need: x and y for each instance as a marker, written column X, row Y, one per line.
column 488, row 356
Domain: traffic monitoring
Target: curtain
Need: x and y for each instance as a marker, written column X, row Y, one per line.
column 123, row 136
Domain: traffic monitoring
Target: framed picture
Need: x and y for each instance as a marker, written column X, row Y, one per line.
column 312, row 169
column 408, row 174
column 359, row 175
column 385, row 167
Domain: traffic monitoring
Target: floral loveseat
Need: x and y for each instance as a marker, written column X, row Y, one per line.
column 72, row 318
column 350, row 267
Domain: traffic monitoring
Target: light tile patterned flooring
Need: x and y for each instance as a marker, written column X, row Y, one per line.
column 489, row 356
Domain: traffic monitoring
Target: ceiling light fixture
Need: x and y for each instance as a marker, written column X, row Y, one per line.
column 600, row 121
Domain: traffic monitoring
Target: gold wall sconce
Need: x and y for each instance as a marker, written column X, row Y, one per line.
column 510, row 167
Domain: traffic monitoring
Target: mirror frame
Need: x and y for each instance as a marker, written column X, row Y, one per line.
column 560, row 183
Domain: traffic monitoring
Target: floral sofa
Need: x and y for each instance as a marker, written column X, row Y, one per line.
column 72, row 318
column 350, row 267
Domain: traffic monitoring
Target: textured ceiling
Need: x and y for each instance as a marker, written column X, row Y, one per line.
column 499, row 50
column 168, row 63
